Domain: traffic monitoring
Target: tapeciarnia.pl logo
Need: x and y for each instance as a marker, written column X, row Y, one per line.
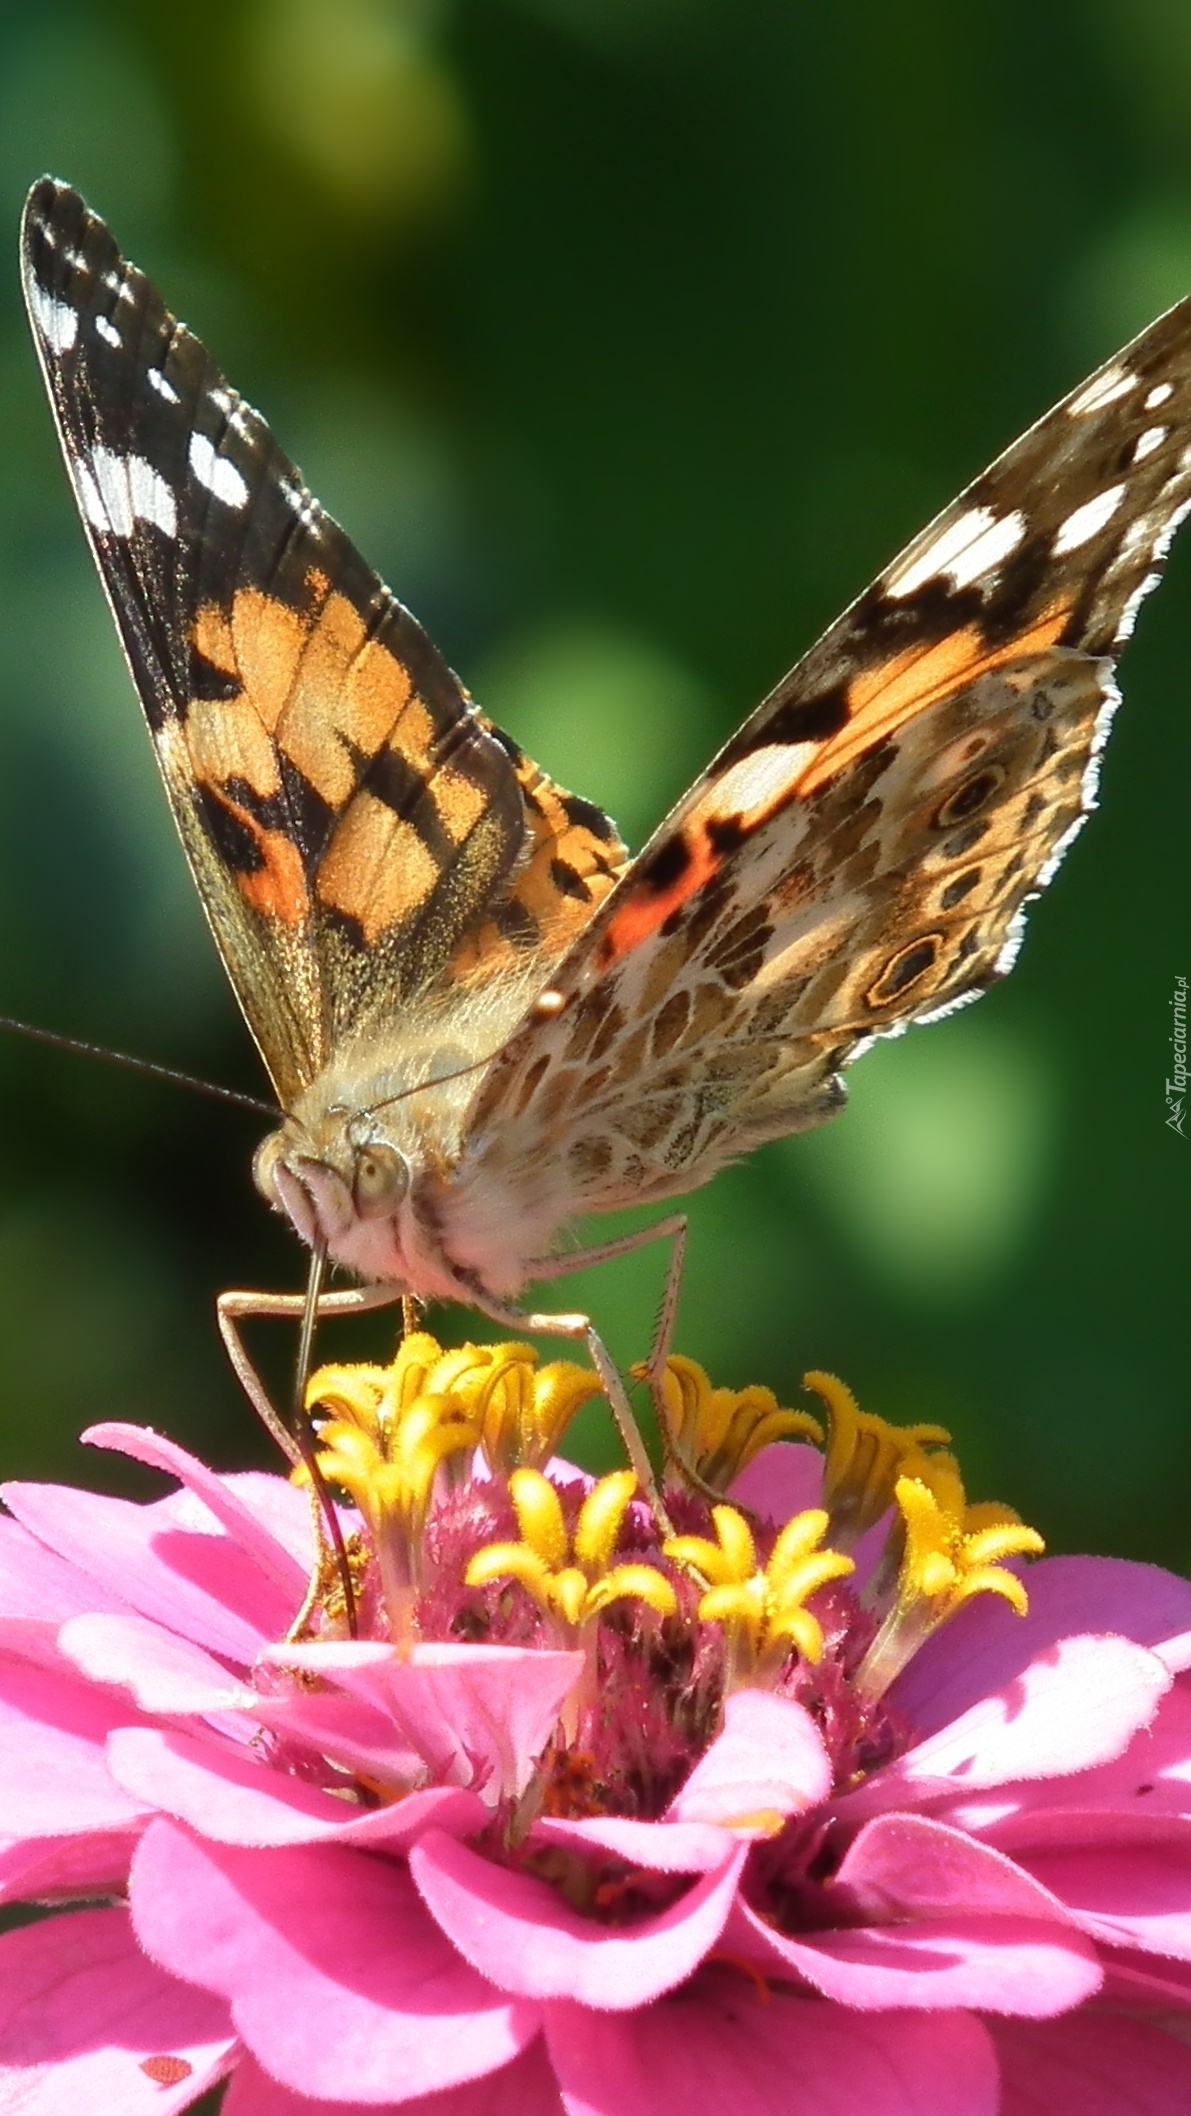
column 1176, row 1088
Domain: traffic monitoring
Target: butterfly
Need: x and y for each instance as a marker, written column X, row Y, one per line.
column 480, row 1016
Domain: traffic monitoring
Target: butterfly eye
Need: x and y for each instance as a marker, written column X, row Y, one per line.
column 380, row 1182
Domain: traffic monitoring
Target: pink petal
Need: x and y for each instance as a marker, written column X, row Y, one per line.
column 1145, row 1981
column 53, row 1771
column 769, row 1760
column 519, row 1932
column 526, row 2087
column 723, row 2049
column 781, row 1481
column 169, row 1561
column 1138, row 1896
column 54, row 1869
column 997, row 1964
column 657, row 1847
column 909, row 1865
column 1079, row 1703
column 236, row 1799
column 38, row 1591
column 477, row 1714
column 986, row 1647
column 220, row 1499
column 354, row 1735
column 1091, row 2064
column 1144, row 1792
column 338, row 1981
column 82, row 2011
column 159, row 1670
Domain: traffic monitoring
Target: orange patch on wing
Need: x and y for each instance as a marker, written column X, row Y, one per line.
column 277, row 886
column 458, row 801
column 882, row 699
column 647, row 907
column 349, row 697
column 212, row 638
column 320, row 684
column 376, row 869
column 225, row 740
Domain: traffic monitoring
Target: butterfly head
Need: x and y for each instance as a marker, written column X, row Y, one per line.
column 360, row 1162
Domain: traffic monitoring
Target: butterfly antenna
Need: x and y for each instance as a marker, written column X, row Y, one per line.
column 419, row 1087
column 137, row 1065
column 305, row 1436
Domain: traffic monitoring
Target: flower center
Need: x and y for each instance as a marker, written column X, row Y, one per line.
column 471, row 1530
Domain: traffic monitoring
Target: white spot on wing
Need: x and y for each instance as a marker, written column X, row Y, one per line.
column 216, row 472
column 1101, row 390
column 971, row 547
column 107, row 331
column 1151, row 439
column 748, row 788
column 1158, row 395
column 156, row 380
column 118, row 491
column 1088, row 520
column 56, row 320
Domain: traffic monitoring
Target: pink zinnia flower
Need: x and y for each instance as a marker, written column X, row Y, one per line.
column 797, row 1809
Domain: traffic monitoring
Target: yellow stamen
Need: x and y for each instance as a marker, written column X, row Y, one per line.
column 865, row 1457
column 762, row 1610
column 949, row 1552
column 572, row 1577
column 385, row 1435
column 716, row 1432
column 522, row 1409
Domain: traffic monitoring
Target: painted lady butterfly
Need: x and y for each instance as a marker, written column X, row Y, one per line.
column 481, row 1018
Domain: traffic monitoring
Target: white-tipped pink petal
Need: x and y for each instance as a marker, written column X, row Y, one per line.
column 521, row 1934
column 994, row 1963
column 909, row 1865
column 54, row 1779
column 160, row 1671
column 219, row 1497
column 1131, row 1895
column 39, row 1590
column 235, row 1798
column 338, row 1980
column 478, row 1715
column 83, row 2014
column 170, row 1561
column 1077, row 1704
column 769, row 1762
column 987, row 1648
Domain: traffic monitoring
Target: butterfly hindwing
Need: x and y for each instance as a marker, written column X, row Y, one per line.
column 860, row 853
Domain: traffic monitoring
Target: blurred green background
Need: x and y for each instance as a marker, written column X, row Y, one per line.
column 628, row 337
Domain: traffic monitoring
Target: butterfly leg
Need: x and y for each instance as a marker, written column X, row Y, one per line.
column 234, row 1308
column 674, row 1231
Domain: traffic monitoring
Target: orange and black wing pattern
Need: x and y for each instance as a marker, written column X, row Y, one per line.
column 860, row 854
column 353, row 823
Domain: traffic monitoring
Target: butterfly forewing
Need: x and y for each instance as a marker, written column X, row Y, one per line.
column 352, row 821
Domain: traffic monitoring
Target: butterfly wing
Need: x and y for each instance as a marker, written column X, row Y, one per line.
column 351, row 820
column 859, row 855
